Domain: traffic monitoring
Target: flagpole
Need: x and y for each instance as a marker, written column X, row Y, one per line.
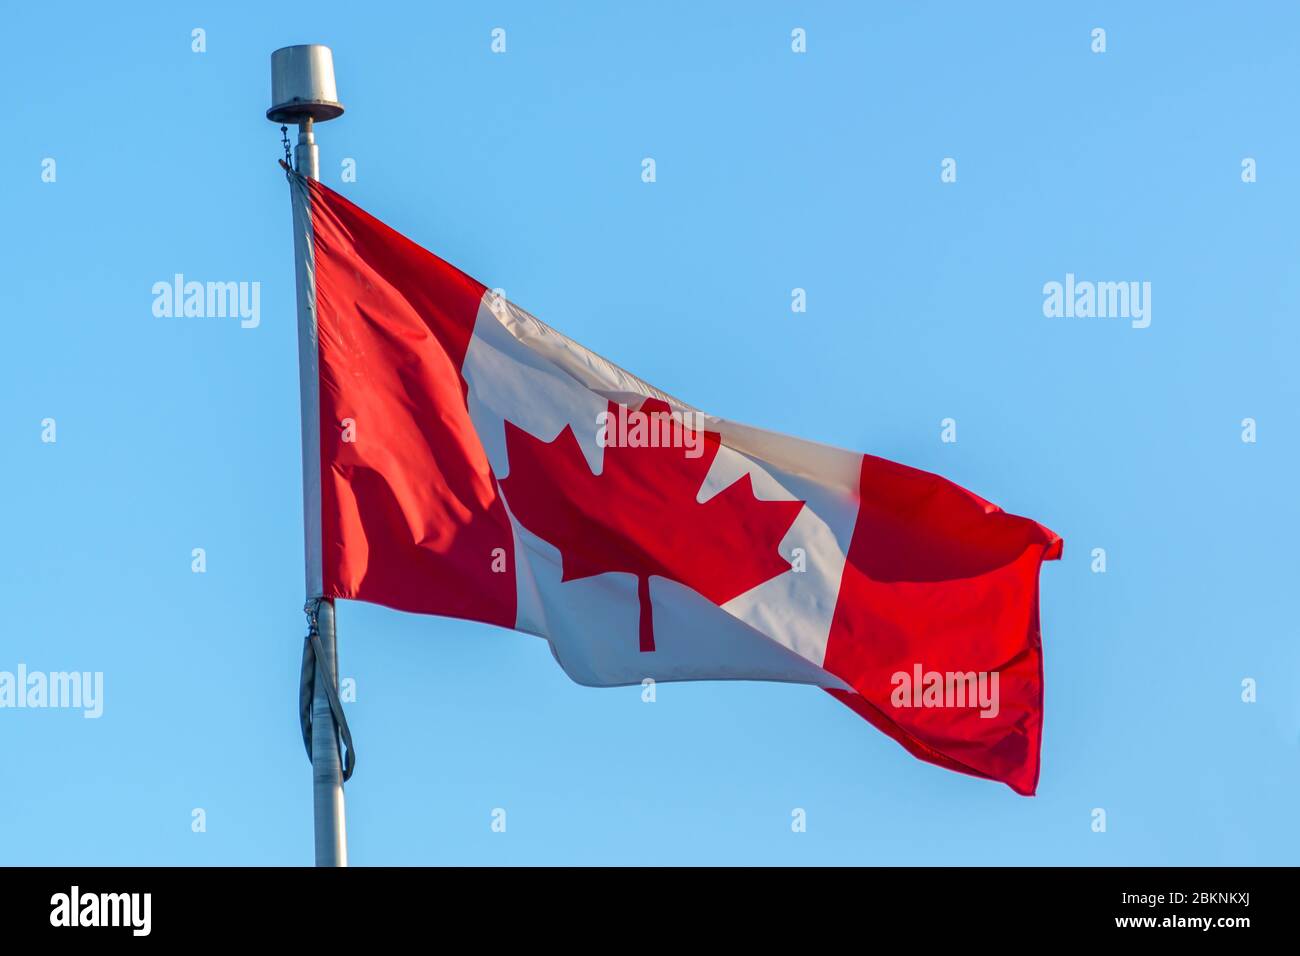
column 303, row 92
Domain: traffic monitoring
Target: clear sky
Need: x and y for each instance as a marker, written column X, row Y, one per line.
column 775, row 170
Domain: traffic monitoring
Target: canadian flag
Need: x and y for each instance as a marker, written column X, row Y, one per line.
column 478, row 464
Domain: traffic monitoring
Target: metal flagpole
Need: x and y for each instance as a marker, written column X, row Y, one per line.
column 303, row 92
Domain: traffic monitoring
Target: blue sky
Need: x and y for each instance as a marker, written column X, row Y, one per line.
column 774, row 171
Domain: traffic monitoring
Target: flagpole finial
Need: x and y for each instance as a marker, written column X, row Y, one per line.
column 302, row 85
column 303, row 92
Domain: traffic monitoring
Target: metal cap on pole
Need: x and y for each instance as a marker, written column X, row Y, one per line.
column 303, row 92
column 302, row 84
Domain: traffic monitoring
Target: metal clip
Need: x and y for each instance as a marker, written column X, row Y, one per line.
column 312, row 610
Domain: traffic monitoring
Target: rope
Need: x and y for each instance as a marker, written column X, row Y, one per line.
column 312, row 655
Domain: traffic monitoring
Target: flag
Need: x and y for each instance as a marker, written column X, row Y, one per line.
column 478, row 464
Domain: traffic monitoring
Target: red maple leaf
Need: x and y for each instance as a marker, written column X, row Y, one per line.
column 639, row 515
